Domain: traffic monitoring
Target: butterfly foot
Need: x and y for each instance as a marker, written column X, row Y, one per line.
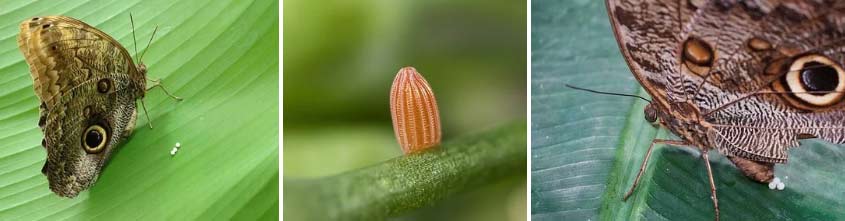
column 157, row 83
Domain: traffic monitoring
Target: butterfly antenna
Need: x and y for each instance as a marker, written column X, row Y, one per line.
column 148, row 44
column 157, row 82
column 607, row 93
column 132, row 22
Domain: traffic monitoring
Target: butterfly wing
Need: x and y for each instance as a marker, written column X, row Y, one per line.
column 88, row 85
column 74, row 158
column 753, row 91
column 648, row 32
column 63, row 52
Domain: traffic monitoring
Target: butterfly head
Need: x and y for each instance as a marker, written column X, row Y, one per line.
column 142, row 68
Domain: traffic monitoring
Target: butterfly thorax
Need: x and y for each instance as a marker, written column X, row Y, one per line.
column 685, row 120
column 140, row 80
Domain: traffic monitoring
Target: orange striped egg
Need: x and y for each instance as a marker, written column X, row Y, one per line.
column 416, row 121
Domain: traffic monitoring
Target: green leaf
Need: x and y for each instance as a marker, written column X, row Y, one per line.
column 587, row 148
column 409, row 182
column 221, row 56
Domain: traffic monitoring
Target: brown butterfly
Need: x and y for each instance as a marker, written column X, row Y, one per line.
column 88, row 85
column 745, row 78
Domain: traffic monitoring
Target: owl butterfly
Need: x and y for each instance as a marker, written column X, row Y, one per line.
column 88, row 85
column 745, row 78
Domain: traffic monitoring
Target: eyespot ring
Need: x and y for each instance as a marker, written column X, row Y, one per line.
column 798, row 75
column 94, row 139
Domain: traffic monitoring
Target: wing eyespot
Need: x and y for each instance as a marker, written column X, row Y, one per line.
column 759, row 44
column 813, row 81
column 104, row 85
column 94, row 139
column 698, row 52
column 697, row 56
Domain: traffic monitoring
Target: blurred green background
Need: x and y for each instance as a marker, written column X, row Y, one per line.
column 340, row 60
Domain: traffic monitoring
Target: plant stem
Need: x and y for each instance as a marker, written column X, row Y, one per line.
column 409, row 182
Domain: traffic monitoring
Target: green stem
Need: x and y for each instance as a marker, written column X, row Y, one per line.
column 409, row 182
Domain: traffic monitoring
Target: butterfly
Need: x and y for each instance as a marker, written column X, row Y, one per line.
column 748, row 79
column 88, row 85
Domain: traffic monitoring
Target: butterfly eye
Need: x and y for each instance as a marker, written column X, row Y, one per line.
column 94, row 139
column 650, row 113
column 816, row 80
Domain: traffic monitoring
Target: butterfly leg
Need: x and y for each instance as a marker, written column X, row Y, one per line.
column 645, row 161
column 157, row 83
column 712, row 184
column 146, row 114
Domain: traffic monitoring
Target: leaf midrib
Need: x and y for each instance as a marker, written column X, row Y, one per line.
column 627, row 156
